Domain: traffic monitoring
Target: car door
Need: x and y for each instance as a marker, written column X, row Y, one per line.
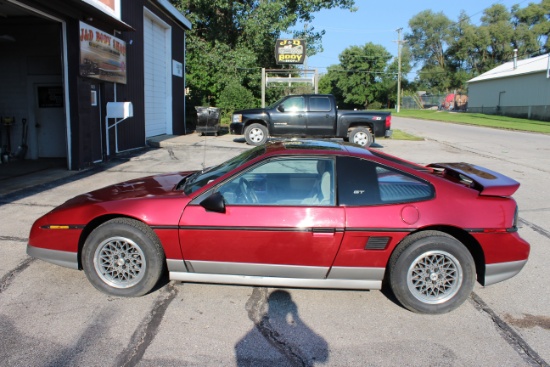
column 321, row 116
column 290, row 117
column 276, row 223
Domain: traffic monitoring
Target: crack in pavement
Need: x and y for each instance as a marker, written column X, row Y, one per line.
column 28, row 204
column 171, row 154
column 148, row 328
column 7, row 279
column 509, row 334
column 13, row 239
column 536, row 228
column 257, row 307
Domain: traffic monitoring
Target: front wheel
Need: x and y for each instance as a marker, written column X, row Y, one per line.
column 431, row 272
column 362, row 136
column 123, row 257
column 255, row 134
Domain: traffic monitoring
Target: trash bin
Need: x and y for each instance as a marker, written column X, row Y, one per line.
column 208, row 120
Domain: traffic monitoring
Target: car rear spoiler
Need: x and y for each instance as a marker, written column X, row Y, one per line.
column 487, row 182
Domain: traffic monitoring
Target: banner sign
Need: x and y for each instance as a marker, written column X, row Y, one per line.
column 102, row 56
column 110, row 7
column 290, row 51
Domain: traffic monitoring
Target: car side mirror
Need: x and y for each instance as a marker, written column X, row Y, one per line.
column 280, row 108
column 214, row 203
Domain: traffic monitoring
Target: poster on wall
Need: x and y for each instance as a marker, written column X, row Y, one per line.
column 102, row 56
column 111, row 7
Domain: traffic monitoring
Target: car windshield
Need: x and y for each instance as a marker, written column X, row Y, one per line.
column 199, row 179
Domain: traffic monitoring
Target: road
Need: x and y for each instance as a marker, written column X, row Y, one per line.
column 52, row 316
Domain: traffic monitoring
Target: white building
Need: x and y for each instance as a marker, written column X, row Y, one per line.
column 520, row 88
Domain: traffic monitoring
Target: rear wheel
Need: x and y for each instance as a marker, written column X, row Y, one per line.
column 431, row 272
column 362, row 136
column 255, row 134
column 123, row 257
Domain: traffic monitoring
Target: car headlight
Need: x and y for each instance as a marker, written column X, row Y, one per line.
column 237, row 118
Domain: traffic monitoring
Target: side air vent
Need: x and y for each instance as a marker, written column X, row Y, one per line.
column 377, row 243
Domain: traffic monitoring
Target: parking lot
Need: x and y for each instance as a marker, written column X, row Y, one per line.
column 52, row 316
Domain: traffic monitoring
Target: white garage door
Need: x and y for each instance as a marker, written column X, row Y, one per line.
column 157, row 55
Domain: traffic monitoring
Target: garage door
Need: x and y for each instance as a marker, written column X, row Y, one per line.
column 157, row 86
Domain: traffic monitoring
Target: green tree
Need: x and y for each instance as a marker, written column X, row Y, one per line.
column 497, row 22
column 230, row 41
column 360, row 66
column 429, row 38
column 357, row 80
column 532, row 25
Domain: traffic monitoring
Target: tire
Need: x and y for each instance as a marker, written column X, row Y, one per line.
column 123, row 257
column 255, row 134
column 362, row 136
column 418, row 280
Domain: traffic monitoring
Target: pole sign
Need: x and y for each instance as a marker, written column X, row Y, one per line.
column 291, row 51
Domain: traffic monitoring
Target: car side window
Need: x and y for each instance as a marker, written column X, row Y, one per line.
column 361, row 182
column 294, row 104
column 319, row 104
column 284, row 182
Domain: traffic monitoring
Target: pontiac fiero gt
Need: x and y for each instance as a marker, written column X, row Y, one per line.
column 299, row 213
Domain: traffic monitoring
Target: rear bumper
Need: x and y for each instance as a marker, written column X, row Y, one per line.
column 498, row 272
column 388, row 133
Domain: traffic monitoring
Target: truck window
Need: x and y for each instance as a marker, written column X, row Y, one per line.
column 294, row 104
column 319, row 104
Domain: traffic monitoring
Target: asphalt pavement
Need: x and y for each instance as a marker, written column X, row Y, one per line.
column 52, row 316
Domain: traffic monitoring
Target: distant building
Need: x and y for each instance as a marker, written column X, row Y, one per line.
column 64, row 60
column 520, row 88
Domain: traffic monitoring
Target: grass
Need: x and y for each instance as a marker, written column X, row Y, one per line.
column 401, row 135
column 495, row 121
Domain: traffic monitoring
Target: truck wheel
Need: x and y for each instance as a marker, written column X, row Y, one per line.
column 362, row 136
column 255, row 134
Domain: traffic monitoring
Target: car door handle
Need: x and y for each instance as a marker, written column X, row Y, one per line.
column 323, row 231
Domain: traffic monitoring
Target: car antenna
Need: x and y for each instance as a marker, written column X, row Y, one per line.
column 203, row 164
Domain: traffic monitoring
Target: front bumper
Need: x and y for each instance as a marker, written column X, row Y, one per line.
column 61, row 258
column 236, row 128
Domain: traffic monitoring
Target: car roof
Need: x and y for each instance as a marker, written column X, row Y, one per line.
column 312, row 145
column 306, row 146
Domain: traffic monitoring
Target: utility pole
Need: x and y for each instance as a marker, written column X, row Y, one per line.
column 398, row 69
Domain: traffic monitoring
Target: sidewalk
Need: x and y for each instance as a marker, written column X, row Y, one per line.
column 194, row 139
column 24, row 174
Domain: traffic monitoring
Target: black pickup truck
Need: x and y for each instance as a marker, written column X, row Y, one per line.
column 310, row 115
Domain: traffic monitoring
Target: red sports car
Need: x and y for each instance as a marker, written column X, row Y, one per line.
column 297, row 213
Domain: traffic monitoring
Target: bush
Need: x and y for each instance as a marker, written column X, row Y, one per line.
column 235, row 97
column 375, row 106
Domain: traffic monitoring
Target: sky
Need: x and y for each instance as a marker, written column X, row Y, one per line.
column 377, row 21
